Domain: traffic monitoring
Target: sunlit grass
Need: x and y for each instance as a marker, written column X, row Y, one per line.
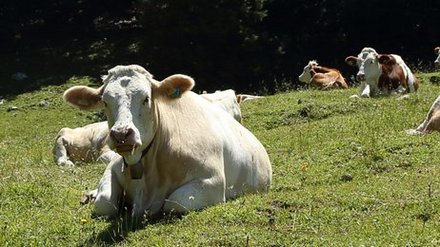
column 345, row 173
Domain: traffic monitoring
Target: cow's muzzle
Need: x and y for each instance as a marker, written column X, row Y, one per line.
column 360, row 77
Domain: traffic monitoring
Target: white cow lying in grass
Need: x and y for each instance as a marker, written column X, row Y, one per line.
column 83, row 144
column 179, row 151
column 226, row 100
column 431, row 122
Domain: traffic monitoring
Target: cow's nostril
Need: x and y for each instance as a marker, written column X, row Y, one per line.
column 121, row 135
column 129, row 132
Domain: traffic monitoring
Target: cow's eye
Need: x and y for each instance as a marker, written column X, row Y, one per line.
column 146, row 100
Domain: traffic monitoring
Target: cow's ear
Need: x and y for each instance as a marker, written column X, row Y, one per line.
column 437, row 50
column 174, row 86
column 84, row 98
column 351, row 60
column 383, row 59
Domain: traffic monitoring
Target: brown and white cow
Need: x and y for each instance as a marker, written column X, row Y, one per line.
column 322, row 77
column 84, row 144
column 431, row 122
column 382, row 73
column 437, row 61
column 179, row 152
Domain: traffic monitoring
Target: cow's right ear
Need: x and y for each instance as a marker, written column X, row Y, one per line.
column 174, row 86
column 437, row 50
column 383, row 59
column 351, row 60
column 84, row 98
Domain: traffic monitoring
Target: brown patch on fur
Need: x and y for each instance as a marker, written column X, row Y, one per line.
column 326, row 78
column 392, row 74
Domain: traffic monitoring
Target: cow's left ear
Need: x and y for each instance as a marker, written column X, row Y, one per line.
column 174, row 86
column 351, row 60
column 84, row 98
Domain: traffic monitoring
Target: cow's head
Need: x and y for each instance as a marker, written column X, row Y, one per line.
column 306, row 75
column 369, row 68
column 128, row 97
column 437, row 61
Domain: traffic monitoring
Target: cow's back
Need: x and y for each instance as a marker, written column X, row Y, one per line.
column 84, row 143
column 202, row 139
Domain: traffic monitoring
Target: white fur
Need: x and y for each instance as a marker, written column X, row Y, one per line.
column 198, row 156
column 306, row 75
column 86, row 144
column 226, row 100
column 437, row 61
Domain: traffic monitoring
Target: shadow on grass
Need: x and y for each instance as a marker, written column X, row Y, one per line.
column 123, row 224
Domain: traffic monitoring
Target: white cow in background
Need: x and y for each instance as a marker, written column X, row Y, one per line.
column 179, row 152
column 437, row 61
column 84, row 144
column 227, row 100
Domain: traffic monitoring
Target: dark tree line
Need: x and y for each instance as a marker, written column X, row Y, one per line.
column 248, row 45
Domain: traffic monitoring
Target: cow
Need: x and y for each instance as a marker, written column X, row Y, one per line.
column 178, row 152
column 85, row 144
column 437, row 61
column 431, row 122
column 322, row 77
column 227, row 100
column 241, row 98
column 382, row 73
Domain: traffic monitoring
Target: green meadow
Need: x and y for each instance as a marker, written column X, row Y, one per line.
column 345, row 173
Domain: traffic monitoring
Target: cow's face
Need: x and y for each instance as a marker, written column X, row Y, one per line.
column 437, row 61
column 128, row 97
column 369, row 69
column 306, row 75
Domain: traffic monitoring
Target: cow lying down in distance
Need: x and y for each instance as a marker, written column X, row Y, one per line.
column 89, row 143
column 178, row 152
column 382, row 73
column 322, row 77
column 437, row 60
column 83, row 144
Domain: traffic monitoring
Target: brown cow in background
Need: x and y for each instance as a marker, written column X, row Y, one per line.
column 322, row 77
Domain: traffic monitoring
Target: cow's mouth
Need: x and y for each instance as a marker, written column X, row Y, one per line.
column 124, row 149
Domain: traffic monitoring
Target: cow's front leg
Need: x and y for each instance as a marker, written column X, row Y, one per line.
column 196, row 194
column 109, row 190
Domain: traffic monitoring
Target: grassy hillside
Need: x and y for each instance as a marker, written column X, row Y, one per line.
column 345, row 173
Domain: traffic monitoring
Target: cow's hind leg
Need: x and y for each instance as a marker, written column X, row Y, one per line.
column 195, row 195
column 60, row 152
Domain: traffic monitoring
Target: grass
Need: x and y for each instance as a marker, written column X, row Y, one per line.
column 344, row 173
